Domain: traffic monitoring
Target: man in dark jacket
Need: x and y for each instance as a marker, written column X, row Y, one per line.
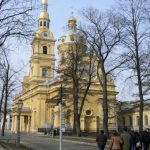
column 101, row 140
column 146, row 138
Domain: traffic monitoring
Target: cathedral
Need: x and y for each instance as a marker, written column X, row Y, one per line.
column 41, row 87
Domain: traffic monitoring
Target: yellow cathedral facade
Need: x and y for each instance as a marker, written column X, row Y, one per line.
column 41, row 88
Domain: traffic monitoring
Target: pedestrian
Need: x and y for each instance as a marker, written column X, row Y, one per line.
column 145, row 137
column 101, row 140
column 148, row 130
column 116, row 141
column 127, row 139
column 133, row 139
column 138, row 145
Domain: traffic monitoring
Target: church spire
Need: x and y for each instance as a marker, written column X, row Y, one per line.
column 44, row 5
column 44, row 16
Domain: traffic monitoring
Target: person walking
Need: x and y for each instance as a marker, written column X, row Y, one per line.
column 133, row 139
column 101, row 140
column 138, row 145
column 127, row 140
column 116, row 141
column 146, row 138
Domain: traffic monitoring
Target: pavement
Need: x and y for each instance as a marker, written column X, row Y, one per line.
column 91, row 141
column 1, row 148
column 78, row 140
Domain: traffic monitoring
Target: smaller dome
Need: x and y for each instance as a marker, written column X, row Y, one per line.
column 72, row 20
column 44, row 15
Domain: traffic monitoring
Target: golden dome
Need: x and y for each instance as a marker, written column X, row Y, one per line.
column 44, row 2
column 44, row 15
column 72, row 20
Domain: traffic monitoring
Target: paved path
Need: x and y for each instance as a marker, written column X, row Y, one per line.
column 1, row 148
column 47, row 143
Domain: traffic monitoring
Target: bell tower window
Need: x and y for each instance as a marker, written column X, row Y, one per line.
column 44, row 72
column 44, row 23
column 40, row 23
column 44, row 49
column 62, row 58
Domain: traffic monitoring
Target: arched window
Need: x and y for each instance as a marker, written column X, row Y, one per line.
column 137, row 120
column 44, row 49
column 130, row 120
column 44, row 72
column 62, row 58
column 40, row 23
column 44, row 23
column 146, row 120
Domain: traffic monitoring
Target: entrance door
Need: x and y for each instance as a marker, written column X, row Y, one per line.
column 89, row 124
column 25, row 123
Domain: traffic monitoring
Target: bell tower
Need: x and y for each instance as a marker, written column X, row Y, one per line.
column 69, row 42
column 42, row 57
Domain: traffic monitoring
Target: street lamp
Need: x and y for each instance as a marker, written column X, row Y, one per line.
column 61, row 103
column 19, row 104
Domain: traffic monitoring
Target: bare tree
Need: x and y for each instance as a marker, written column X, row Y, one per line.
column 135, row 14
column 145, row 68
column 9, row 85
column 104, row 33
column 78, row 69
column 15, row 19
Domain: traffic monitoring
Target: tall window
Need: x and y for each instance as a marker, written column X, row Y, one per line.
column 137, row 120
column 44, row 72
column 44, row 49
column 45, row 23
column 40, row 23
column 124, row 121
column 62, row 58
column 146, row 120
column 130, row 120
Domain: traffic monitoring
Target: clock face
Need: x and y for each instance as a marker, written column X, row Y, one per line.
column 45, row 35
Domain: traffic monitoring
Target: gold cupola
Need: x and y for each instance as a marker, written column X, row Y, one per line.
column 72, row 20
column 72, row 23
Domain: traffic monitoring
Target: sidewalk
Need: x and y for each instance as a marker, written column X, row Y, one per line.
column 78, row 140
column 1, row 148
column 91, row 141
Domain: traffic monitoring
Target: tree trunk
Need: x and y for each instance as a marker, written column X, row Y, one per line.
column 74, row 116
column 138, row 70
column 6, row 99
column 105, row 105
column 78, row 127
column 1, row 101
column 140, row 94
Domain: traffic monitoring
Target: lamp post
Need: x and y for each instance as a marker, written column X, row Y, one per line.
column 19, row 104
column 60, row 120
column 61, row 102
